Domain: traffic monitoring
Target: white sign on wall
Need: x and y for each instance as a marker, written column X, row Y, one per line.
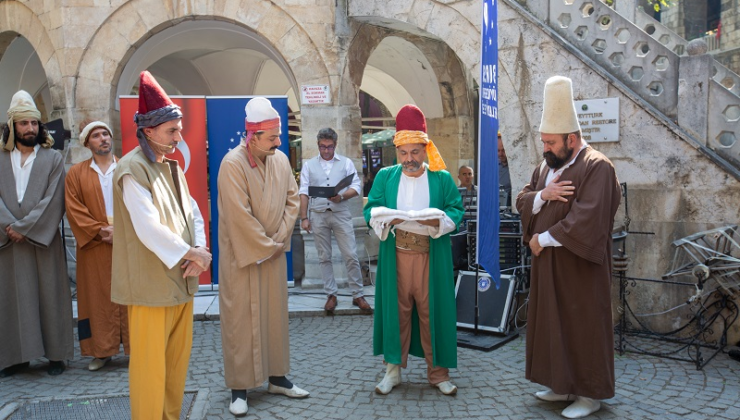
column 599, row 119
column 315, row 94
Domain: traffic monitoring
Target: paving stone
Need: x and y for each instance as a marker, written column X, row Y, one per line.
column 332, row 358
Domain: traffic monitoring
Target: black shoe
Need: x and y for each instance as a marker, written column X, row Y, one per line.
column 12, row 370
column 734, row 354
column 55, row 368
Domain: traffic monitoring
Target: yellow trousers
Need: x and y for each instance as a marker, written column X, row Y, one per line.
column 160, row 339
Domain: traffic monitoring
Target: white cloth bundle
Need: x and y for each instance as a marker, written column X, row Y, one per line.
column 381, row 217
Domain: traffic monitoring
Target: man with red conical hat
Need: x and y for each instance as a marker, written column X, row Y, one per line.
column 158, row 253
column 413, row 207
column 258, row 206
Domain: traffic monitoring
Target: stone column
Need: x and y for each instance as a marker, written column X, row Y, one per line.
column 693, row 90
column 346, row 121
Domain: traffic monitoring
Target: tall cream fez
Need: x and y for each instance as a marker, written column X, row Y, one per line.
column 558, row 109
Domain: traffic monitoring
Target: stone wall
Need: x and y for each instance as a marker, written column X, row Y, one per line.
column 674, row 190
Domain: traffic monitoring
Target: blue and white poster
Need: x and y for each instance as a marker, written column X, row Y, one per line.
column 225, row 116
column 488, row 205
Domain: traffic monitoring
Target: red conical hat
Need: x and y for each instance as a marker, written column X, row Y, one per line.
column 411, row 118
column 151, row 95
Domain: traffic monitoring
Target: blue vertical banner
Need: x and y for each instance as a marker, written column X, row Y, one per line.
column 488, row 187
column 225, row 116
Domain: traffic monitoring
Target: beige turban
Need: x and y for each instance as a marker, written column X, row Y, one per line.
column 22, row 107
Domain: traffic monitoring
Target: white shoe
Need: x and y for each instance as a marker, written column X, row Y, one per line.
column 552, row 397
column 581, row 408
column 294, row 392
column 96, row 364
column 391, row 379
column 447, row 388
column 239, row 407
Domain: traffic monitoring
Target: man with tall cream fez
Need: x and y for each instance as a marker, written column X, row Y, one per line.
column 258, row 205
column 102, row 325
column 413, row 207
column 35, row 302
column 567, row 213
column 158, row 253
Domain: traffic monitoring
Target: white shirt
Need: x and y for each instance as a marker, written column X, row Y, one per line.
column 106, row 184
column 158, row 238
column 413, row 194
column 22, row 173
column 545, row 239
column 327, row 165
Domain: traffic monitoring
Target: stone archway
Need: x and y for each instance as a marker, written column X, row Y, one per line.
column 446, row 94
column 455, row 22
column 126, row 29
column 16, row 19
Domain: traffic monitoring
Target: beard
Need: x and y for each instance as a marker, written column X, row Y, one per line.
column 103, row 150
column 557, row 161
column 411, row 166
column 27, row 140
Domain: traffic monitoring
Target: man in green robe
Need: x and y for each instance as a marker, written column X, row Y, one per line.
column 414, row 207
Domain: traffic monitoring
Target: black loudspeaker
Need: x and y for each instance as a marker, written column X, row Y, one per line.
column 56, row 130
column 459, row 250
column 494, row 301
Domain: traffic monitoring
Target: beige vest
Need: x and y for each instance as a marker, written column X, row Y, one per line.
column 139, row 276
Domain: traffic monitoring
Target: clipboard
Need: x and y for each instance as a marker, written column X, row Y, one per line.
column 327, row 192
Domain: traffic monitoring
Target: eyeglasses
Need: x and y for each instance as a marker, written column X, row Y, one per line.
column 321, row 147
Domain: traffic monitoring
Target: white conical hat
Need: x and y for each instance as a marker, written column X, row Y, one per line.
column 558, row 109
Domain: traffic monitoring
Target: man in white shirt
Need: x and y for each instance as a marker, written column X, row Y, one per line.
column 35, row 302
column 158, row 253
column 102, row 326
column 322, row 216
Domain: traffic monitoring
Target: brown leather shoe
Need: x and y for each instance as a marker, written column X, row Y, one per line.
column 331, row 303
column 362, row 303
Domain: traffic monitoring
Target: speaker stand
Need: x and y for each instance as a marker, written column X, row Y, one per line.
column 484, row 342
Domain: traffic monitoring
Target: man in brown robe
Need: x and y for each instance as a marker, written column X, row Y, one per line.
column 102, row 325
column 567, row 214
column 258, row 205
column 35, row 302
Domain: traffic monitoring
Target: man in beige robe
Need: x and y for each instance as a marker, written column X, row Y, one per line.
column 102, row 326
column 35, row 297
column 258, row 205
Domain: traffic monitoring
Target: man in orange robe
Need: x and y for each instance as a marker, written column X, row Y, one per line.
column 102, row 325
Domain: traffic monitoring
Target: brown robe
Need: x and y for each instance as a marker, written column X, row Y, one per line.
column 570, row 340
column 257, row 207
column 35, row 296
column 102, row 325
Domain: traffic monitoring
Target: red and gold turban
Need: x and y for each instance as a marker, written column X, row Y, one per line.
column 411, row 128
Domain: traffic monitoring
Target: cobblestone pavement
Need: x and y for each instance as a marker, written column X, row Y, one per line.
column 332, row 358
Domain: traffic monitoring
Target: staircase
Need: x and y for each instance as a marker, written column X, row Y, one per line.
column 676, row 81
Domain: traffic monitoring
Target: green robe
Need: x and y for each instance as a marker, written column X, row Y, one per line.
column 443, row 195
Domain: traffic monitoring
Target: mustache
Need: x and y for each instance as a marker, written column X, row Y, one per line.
column 412, row 165
column 274, row 147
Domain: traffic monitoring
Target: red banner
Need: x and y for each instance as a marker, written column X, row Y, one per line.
column 191, row 153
